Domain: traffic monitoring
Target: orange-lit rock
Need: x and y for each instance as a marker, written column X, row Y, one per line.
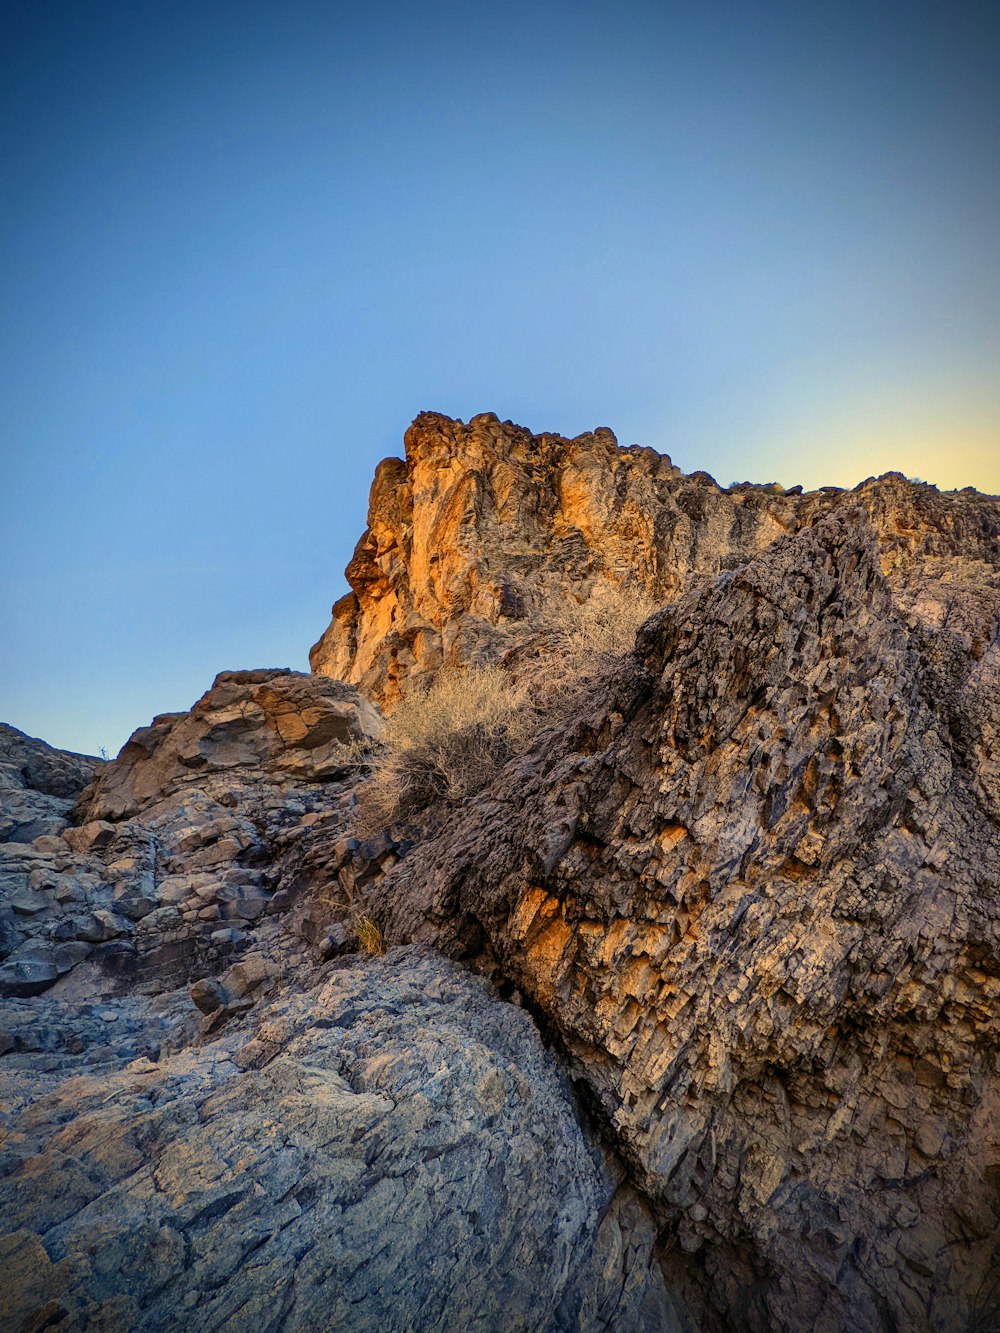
column 483, row 530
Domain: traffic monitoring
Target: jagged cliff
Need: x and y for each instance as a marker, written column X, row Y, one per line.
column 743, row 881
column 753, row 890
column 751, row 884
column 483, row 530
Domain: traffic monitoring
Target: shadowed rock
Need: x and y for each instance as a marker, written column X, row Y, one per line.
column 394, row 1151
column 753, row 886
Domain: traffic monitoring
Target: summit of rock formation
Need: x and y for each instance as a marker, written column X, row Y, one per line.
column 685, row 1017
column 483, row 530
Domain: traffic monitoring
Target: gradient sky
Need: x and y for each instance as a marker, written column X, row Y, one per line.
column 242, row 245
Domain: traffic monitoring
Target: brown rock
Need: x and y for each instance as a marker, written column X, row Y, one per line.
column 93, row 836
column 753, row 888
column 484, row 530
column 263, row 722
column 209, row 995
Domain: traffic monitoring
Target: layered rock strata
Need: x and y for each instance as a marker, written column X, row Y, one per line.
column 185, row 851
column 753, row 889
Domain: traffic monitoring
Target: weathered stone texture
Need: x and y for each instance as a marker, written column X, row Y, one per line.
column 304, row 1137
column 755, row 891
column 745, row 881
column 187, row 850
column 393, row 1151
column 275, row 721
column 484, row 529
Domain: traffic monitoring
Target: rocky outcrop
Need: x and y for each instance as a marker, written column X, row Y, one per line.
column 394, row 1150
column 193, row 847
column 752, row 887
column 249, row 722
column 215, row 1110
column 38, row 785
column 743, row 883
column 484, row 530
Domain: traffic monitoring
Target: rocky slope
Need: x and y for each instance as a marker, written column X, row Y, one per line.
column 751, row 885
column 733, row 1061
column 754, row 892
column 216, row 1111
column 185, row 849
column 391, row 1150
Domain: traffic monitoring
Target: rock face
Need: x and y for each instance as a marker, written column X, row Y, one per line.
column 392, row 1151
column 187, row 850
column 484, row 529
column 754, row 888
column 276, row 721
column 216, row 1112
column 38, row 785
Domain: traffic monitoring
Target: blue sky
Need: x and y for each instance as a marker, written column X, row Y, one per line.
column 242, row 245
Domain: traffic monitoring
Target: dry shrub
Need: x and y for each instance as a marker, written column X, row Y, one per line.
column 369, row 935
column 443, row 742
column 584, row 640
column 446, row 741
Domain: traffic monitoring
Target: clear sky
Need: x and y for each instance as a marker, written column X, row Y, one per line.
column 242, row 245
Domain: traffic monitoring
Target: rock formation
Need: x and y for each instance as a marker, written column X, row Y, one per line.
column 392, row 1150
column 732, row 1059
column 182, row 850
column 751, row 885
column 217, row 1112
column 483, row 530
column 753, row 889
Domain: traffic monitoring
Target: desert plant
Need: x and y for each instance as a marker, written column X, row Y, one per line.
column 444, row 740
column 583, row 640
column 369, row 935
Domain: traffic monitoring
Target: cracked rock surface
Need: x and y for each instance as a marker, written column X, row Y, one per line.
column 392, row 1150
column 215, row 1115
column 753, row 885
column 744, row 883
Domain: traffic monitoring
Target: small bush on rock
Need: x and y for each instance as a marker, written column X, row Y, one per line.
column 446, row 741
column 369, row 935
column 584, row 640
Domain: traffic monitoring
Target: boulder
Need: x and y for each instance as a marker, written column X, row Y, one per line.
column 393, row 1151
column 249, row 724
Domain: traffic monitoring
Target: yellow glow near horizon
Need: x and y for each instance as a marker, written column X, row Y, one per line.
column 946, row 448
column 949, row 459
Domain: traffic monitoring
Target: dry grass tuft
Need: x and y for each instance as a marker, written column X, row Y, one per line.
column 445, row 742
column 369, row 935
column 584, row 640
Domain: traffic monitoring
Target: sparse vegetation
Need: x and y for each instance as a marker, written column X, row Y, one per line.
column 446, row 741
column 587, row 637
column 369, row 935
